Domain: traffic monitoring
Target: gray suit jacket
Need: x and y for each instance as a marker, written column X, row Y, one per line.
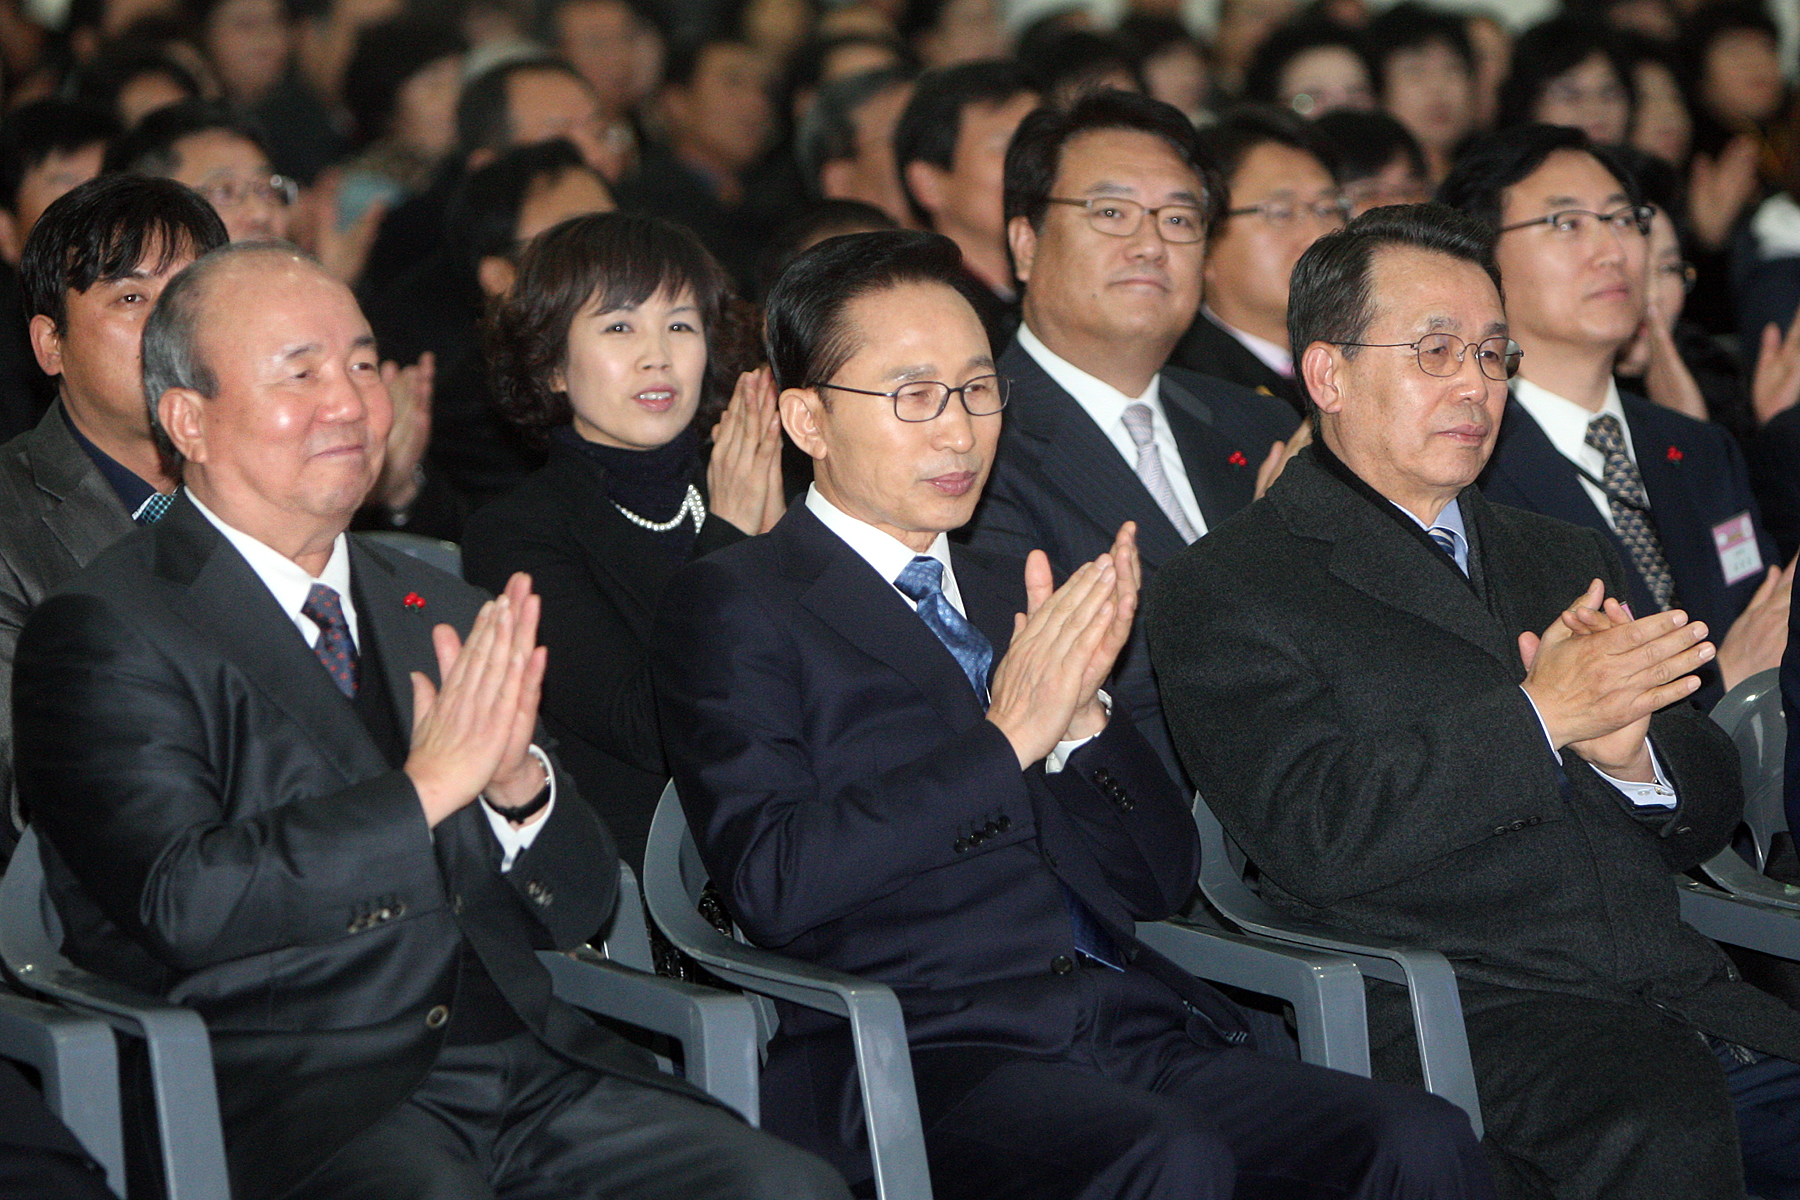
column 60, row 513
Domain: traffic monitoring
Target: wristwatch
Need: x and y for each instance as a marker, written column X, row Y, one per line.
column 533, row 806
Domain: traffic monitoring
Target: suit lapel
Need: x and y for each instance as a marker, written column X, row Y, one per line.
column 88, row 516
column 221, row 598
column 1533, row 466
column 1220, row 487
column 401, row 630
column 843, row 591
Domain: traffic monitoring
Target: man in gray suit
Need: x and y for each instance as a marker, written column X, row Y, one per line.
column 1422, row 719
column 93, row 267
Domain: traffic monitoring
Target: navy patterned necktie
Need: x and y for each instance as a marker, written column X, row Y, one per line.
column 1630, row 507
column 153, row 509
column 334, row 647
column 922, row 582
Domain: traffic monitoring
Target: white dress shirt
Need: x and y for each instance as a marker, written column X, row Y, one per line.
column 889, row 556
column 1106, row 404
column 290, row 584
column 1278, row 359
column 1565, row 423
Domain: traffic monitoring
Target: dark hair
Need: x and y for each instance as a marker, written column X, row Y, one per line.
column 149, row 147
column 1149, row 35
column 804, row 330
column 1477, row 183
column 106, row 229
column 1712, row 21
column 1262, row 78
column 828, row 130
column 1073, row 60
column 32, row 132
column 1035, row 155
column 645, row 13
column 104, row 78
column 932, row 123
column 386, row 57
column 484, row 110
column 1549, row 50
column 815, row 223
column 597, row 263
column 1330, row 297
column 1242, row 129
column 807, row 65
column 1658, row 183
column 686, row 55
column 1366, row 142
column 483, row 217
column 1412, row 26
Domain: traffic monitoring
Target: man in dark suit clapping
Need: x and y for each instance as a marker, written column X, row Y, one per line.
column 897, row 762
column 1427, row 717
column 1108, row 203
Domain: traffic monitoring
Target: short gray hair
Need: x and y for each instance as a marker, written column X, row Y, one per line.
column 171, row 345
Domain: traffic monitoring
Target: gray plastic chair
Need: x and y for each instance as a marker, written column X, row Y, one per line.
column 1426, row 974
column 1325, row 990
column 717, row 1031
column 1751, row 713
column 445, row 556
column 78, row 1070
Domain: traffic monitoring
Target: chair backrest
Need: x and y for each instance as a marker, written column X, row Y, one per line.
column 1222, row 878
column 1751, row 713
column 627, row 940
column 30, row 930
column 445, row 556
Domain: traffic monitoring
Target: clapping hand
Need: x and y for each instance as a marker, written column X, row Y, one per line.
column 744, row 476
column 1280, row 454
column 410, row 388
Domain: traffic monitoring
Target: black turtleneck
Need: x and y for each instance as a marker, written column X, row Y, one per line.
column 650, row 483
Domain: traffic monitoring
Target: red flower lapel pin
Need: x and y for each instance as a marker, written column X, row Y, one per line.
column 413, row 601
column 1675, row 455
column 1237, row 459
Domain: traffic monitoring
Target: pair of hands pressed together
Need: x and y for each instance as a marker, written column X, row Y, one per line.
column 472, row 734
column 744, row 476
column 1596, row 675
column 1045, row 688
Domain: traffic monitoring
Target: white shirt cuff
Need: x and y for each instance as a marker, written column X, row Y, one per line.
column 1660, row 794
column 516, row 839
column 1058, row 758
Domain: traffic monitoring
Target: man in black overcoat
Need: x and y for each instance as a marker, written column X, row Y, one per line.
column 1370, row 677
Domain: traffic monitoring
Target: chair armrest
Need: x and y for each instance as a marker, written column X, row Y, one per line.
column 628, row 939
column 78, row 1065
column 1325, row 989
column 181, row 1071
column 1770, row 925
column 717, row 1030
column 1728, row 871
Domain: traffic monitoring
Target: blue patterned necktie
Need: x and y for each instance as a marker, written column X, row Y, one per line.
column 1445, row 541
column 334, row 647
column 154, row 509
column 922, row 582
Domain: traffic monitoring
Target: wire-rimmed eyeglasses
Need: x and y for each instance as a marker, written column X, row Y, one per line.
column 1575, row 222
column 1442, row 354
column 277, row 190
column 924, row 399
column 1333, row 211
column 1179, row 223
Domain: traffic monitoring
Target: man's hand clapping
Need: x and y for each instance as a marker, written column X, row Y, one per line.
column 472, row 735
column 1045, row 689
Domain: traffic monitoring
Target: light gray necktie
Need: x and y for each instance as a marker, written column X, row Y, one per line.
column 1138, row 421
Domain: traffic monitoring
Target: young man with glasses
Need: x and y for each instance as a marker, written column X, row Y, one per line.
column 1281, row 193
column 897, row 762
column 1108, row 203
column 1427, row 718
column 204, row 146
column 1671, row 493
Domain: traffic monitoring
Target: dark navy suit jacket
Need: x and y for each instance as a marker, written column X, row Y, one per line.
column 857, row 810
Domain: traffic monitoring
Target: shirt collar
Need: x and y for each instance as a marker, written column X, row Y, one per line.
column 1450, row 520
column 286, row 579
column 132, row 491
column 887, row 554
column 1104, row 402
column 1565, row 422
column 1273, row 357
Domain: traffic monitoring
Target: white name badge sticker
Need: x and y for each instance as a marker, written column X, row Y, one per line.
column 1739, row 555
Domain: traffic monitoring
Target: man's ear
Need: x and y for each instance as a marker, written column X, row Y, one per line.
column 801, row 411
column 496, row 274
column 179, row 413
column 1321, row 367
column 927, row 183
column 1021, row 238
column 46, row 344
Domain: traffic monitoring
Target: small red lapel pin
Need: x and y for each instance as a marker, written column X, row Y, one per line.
column 1674, row 453
column 1237, row 459
column 413, row 601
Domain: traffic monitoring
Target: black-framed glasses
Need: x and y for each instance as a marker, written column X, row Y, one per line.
column 277, row 190
column 1334, row 211
column 1179, row 223
column 1575, row 222
column 1442, row 354
column 1684, row 271
column 924, row 399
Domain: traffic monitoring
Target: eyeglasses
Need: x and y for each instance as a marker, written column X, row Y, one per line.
column 1441, row 354
column 916, row 403
column 1684, row 271
column 1334, row 212
column 1576, row 222
column 1179, row 223
column 278, row 190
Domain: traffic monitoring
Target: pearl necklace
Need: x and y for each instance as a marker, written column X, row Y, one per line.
column 691, row 506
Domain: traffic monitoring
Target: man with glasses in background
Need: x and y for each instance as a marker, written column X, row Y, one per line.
column 1671, row 493
column 1281, row 193
column 204, row 146
column 1426, row 717
column 1107, row 204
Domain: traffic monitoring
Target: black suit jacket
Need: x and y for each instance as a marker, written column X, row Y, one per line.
column 857, row 810
column 601, row 579
column 1060, row 485
column 1349, row 704
column 225, row 832
column 1208, row 349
